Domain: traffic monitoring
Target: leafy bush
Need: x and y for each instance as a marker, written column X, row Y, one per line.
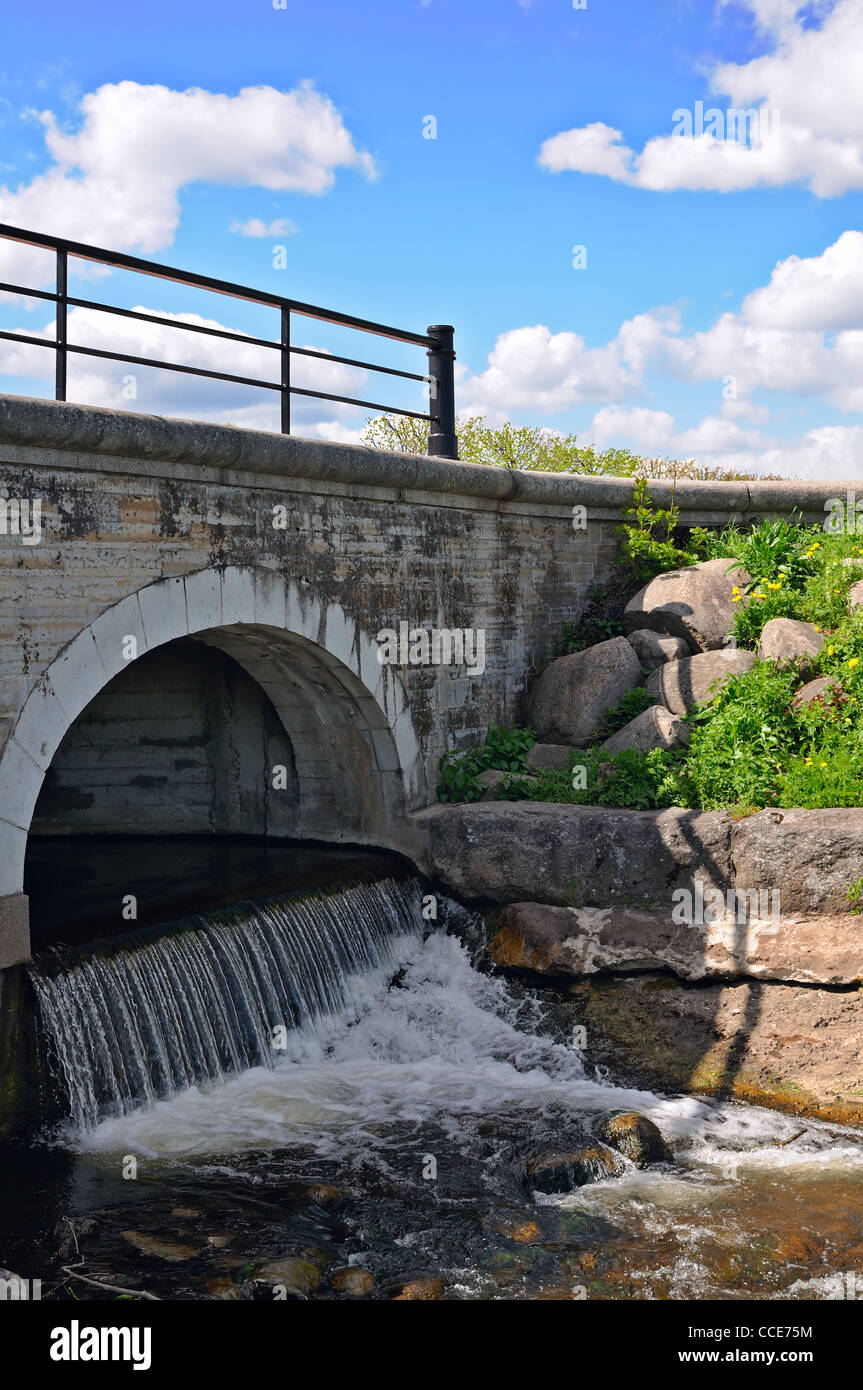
column 504, row 749
column 634, row 702
column 647, row 538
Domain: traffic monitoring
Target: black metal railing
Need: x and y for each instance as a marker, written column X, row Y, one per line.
column 437, row 340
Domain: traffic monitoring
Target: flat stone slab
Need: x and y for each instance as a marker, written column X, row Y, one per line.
column 581, row 941
column 512, row 851
column 696, row 679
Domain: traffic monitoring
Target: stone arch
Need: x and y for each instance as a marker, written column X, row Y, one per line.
column 357, row 755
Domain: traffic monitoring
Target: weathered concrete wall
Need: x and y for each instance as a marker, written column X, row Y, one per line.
column 164, row 529
column 182, row 713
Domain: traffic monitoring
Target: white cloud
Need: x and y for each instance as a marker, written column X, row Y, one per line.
column 819, row 292
column 647, row 431
column 810, row 76
column 551, row 371
column 255, row 226
column 116, row 181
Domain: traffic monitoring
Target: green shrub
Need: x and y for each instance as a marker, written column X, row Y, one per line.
column 503, row 749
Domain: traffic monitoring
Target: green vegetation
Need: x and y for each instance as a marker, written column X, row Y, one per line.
column 532, row 447
column 750, row 746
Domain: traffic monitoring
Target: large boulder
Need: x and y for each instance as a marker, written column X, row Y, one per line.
column 656, row 727
column 696, row 679
column 767, row 943
column 696, row 603
column 516, row 851
column 812, row 857
column 568, row 700
column 636, row 1137
column 652, row 649
column 789, row 642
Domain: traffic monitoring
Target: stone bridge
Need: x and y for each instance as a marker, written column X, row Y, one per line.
column 192, row 617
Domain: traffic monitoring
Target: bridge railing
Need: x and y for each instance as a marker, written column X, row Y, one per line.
column 437, row 340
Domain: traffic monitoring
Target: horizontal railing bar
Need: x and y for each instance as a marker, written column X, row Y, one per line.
column 28, row 338
column 171, row 323
column 174, row 367
column 353, row 362
column 367, row 405
column 119, row 260
column 28, row 294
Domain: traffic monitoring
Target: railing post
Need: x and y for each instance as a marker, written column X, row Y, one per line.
column 442, row 437
column 61, row 329
column 286, row 369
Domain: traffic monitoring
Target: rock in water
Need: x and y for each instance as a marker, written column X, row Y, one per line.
column 564, row 1170
column 696, row 603
column 637, row 1138
column 568, row 700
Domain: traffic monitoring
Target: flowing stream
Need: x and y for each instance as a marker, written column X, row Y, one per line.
column 271, row 1095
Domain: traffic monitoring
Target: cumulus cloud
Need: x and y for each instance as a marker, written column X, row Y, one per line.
column 818, row 292
column 810, row 76
column 116, row 180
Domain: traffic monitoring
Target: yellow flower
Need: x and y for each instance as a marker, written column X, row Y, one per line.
column 822, row 764
column 830, row 650
column 736, row 598
column 808, row 762
column 774, row 586
column 764, row 579
column 847, row 721
column 817, row 629
column 855, row 661
column 735, row 589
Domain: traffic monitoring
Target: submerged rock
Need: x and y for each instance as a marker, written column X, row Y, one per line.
column 298, row 1276
column 161, row 1249
column 563, row 1170
column 353, row 1281
column 424, row 1289
column 636, row 1137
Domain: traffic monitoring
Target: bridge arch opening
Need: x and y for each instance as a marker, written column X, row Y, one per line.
column 248, row 709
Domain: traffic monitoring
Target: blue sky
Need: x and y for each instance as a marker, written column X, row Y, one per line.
column 720, row 311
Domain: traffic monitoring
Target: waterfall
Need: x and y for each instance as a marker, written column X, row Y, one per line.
column 131, row 1022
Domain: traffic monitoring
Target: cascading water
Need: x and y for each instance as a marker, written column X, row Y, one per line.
column 216, row 995
column 406, row 1090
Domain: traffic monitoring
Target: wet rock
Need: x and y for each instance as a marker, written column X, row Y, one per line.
column 656, row 727
column 553, row 756
column 323, row 1193
column 297, row 1275
column 189, row 1213
column 425, row 1289
column 653, row 649
column 696, row 679
column 564, row 1170
column 358, row 1283
column 224, row 1289
column 636, row 1137
column 789, row 642
column 518, row 1228
column 221, row 1242
column 159, row 1248
column 567, row 701
column 695, row 603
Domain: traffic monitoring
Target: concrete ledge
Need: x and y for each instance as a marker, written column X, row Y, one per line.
column 78, row 431
column 14, row 930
